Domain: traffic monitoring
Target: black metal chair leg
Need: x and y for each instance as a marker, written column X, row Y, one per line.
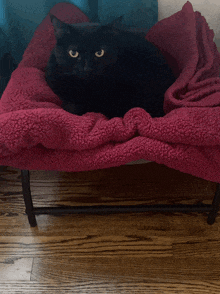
column 31, row 211
column 25, row 176
column 215, row 206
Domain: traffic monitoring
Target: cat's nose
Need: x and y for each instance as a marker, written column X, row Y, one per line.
column 87, row 69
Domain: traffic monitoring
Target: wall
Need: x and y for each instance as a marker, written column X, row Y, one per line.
column 210, row 9
column 137, row 13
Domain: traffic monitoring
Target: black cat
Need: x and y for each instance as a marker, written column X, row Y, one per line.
column 106, row 69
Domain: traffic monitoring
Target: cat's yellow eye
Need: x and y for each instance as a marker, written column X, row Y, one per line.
column 73, row 54
column 99, row 53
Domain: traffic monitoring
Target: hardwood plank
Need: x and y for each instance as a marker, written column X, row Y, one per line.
column 123, row 268
column 111, row 241
column 174, row 225
column 87, row 245
column 94, row 286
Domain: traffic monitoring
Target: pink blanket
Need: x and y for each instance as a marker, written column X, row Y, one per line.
column 36, row 133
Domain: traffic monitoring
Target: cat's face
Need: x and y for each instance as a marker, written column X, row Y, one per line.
column 86, row 49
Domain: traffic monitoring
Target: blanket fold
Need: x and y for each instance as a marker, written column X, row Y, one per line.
column 36, row 133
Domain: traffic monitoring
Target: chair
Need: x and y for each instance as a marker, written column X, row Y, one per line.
column 37, row 134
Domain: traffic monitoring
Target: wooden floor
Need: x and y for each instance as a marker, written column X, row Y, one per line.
column 122, row 253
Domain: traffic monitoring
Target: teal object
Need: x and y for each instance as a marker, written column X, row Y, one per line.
column 137, row 13
column 20, row 18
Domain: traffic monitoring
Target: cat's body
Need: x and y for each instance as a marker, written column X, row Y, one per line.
column 104, row 69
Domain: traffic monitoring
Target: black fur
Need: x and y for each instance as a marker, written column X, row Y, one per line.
column 131, row 73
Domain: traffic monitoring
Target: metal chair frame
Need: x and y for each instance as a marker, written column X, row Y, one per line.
column 32, row 211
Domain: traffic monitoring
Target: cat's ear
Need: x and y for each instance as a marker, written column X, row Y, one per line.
column 115, row 25
column 60, row 28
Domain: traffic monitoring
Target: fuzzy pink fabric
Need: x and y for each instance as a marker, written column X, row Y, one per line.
column 36, row 133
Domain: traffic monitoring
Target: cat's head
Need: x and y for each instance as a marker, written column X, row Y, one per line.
column 85, row 49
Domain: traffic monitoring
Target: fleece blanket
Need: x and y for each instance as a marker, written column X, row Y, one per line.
column 36, row 133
